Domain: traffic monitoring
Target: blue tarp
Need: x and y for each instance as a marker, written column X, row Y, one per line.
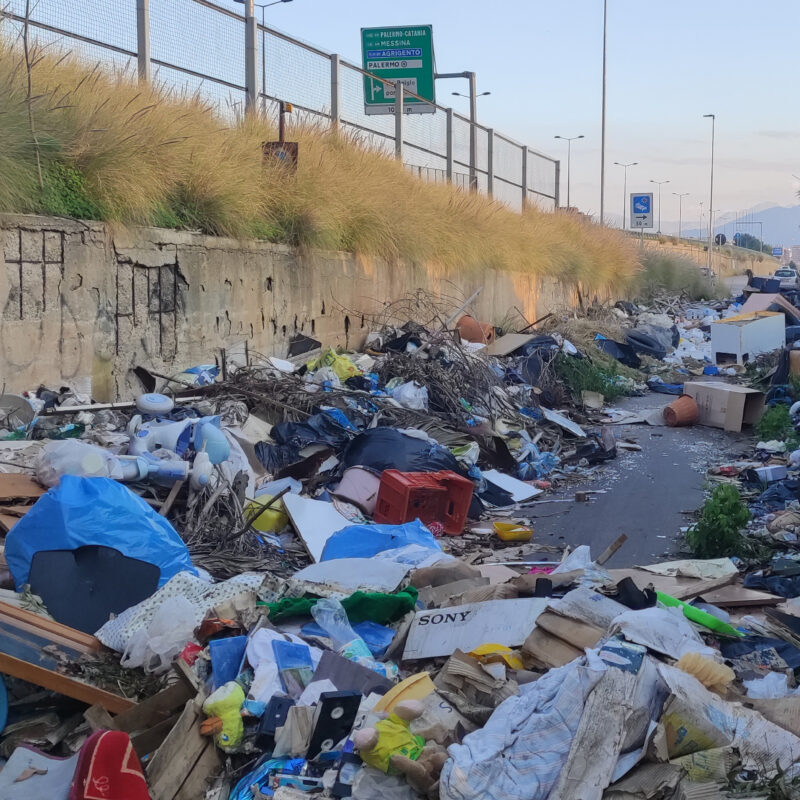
column 95, row 511
column 363, row 541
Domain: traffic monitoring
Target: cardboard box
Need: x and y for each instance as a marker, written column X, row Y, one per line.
column 794, row 362
column 725, row 405
column 739, row 339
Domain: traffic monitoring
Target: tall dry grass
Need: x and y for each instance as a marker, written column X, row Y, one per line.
column 144, row 155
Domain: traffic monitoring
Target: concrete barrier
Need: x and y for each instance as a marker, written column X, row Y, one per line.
column 84, row 302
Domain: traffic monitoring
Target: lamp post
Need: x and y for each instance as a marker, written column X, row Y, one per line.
column 659, row 184
column 473, row 122
column 603, row 120
column 569, row 140
column 680, row 196
column 262, row 6
column 701, row 221
column 713, row 119
column 625, row 189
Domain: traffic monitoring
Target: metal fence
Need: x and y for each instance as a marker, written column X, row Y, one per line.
column 199, row 47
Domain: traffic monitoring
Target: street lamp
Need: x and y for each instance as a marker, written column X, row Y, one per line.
column 680, row 196
column 701, row 221
column 659, row 184
column 625, row 189
column 262, row 6
column 473, row 120
column 603, row 120
column 569, row 140
column 713, row 119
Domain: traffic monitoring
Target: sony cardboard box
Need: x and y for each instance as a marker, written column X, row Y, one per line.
column 726, row 405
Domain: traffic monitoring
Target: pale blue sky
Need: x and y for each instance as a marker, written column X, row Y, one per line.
column 669, row 62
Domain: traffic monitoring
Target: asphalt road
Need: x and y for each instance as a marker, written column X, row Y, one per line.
column 643, row 493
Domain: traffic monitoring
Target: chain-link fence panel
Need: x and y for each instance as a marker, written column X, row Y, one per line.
column 295, row 73
column 198, row 47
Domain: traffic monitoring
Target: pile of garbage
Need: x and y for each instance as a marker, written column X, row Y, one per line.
column 318, row 575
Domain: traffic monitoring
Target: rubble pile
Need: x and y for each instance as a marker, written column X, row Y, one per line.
column 319, row 574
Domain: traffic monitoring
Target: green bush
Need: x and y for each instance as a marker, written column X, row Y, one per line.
column 64, row 193
column 584, row 374
column 673, row 273
column 776, row 423
column 717, row 533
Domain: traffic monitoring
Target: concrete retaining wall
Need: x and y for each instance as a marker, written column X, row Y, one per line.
column 84, row 302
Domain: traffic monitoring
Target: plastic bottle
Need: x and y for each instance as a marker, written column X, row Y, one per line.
column 330, row 615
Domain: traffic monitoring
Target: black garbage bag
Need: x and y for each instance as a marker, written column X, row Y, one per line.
column 387, row 448
column 624, row 353
column 647, row 343
column 276, row 457
column 776, row 496
column 317, row 429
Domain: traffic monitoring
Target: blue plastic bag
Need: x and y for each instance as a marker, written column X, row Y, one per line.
column 363, row 541
column 95, row 511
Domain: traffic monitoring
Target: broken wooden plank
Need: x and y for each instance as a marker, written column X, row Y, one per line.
column 611, row 549
column 63, row 684
column 701, row 587
column 739, row 597
column 148, row 741
column 99, row 719
column 171, row 497
column 197, row 780
column 178, row 754
column 155, row 709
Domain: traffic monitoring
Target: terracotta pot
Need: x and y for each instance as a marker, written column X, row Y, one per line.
column 680, row 412
column 473, row 331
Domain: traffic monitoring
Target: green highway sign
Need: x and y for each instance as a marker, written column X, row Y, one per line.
column 401, row 53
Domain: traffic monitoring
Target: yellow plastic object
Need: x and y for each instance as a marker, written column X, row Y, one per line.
column 340, row 364
column 511, row 532
column 394, row 738
column 274, row 519
column 226, row 704
column 712, row 675
column 417, row 687
column 487, row 653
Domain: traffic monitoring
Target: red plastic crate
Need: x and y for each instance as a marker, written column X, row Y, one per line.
column 432, row 496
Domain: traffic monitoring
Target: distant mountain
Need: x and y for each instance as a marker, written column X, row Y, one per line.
column 781, row 224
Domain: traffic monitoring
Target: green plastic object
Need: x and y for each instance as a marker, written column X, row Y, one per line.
column 699, row 616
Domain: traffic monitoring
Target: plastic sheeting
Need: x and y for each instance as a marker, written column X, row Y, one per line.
column 95, row 511
column 363, row 541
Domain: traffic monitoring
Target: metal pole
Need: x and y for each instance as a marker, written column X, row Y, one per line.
column 449, row 155
column 569, row 170
column 143, row 39
column 557, row 197
column 490, row 162
column 711, row 200
column 524, row 177
column 336, row 92
column 473, row 133
column 263, row 62
column 624, row 197
column 680, row 215
column 603, row 122
column 659, row 208
column 250, row 51
column 398, row 121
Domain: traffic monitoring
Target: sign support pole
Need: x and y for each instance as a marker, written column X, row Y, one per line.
column 398, row 121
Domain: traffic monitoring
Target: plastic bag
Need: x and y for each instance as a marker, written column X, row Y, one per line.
column 412, row 395
column 330, row 615
column 71, row 457
column 95, row 511
column 771, row 687
column 155, row 647
column 340, row 364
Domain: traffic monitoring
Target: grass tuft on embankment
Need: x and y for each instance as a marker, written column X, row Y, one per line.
column 86, row 142
column 674, row 274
